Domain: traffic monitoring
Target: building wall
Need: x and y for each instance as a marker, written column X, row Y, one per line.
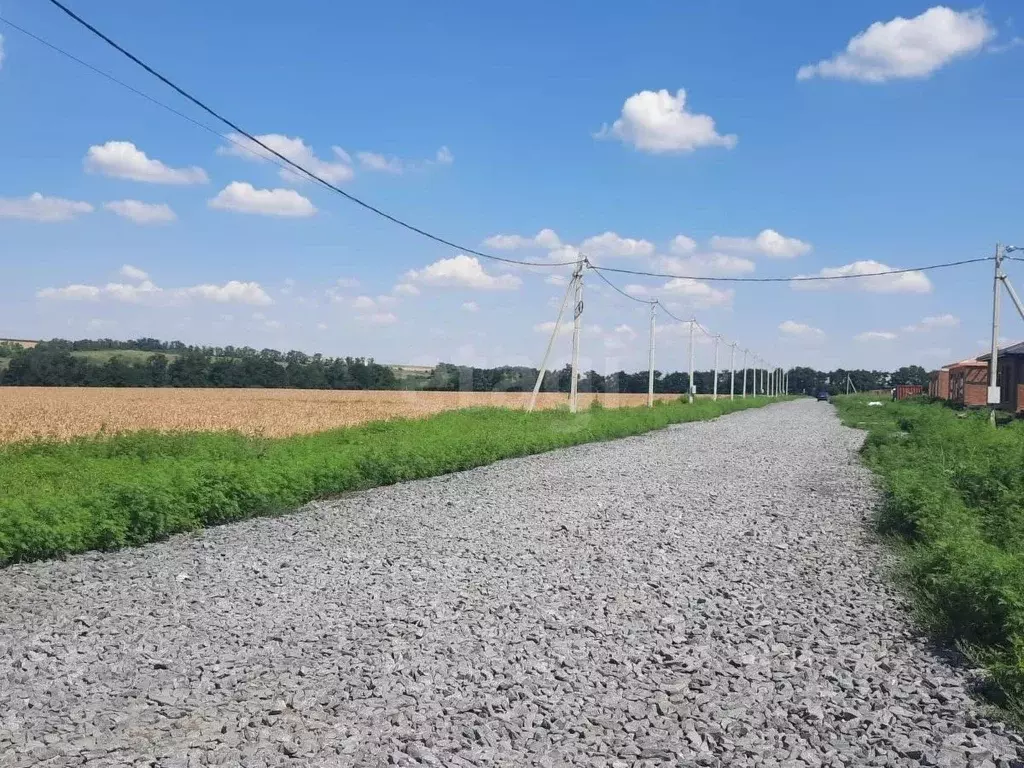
column 939, row 385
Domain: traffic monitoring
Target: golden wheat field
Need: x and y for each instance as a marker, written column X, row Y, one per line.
column 65, row 412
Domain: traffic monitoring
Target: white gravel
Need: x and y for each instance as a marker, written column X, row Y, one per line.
column 705, row 595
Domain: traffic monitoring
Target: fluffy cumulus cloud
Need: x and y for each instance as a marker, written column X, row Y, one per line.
column 682, row 245
column 128, row 272
column 37, row 207
column 707, row 265
column 906, row 48
column 611, row 245
column 800, row 330
column 336, row 170
column 879, row 281
column 142, row 290
column 546, row 238
column 375, row 161
column 934, row 322
column 694, row 293
column 242, row 197
column 461, row 271
column 123, row 160
column 768, row 242
column 406, row 289
column 658, row 121
column 470, row 306
column 875, row 336
column 142, row 213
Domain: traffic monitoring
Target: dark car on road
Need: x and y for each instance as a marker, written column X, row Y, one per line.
column 822, row 395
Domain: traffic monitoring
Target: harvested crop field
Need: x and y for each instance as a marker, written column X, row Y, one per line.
column 66, row 412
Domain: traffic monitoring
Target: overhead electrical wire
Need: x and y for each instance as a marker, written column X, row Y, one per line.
column 283, row 161
column 297, row 166
column 793, row 279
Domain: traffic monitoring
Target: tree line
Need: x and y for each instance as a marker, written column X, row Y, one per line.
column 176, row 364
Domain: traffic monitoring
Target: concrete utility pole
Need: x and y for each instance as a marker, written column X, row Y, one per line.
column 714, row 395
column 690, row 383
column 764, row 379
column 551, row 342
column 574, row 387
column 650, row 361
column 993, row 363
column 745, row 351
column 732, row 373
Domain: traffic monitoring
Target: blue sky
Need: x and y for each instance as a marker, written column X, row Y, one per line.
column 777, row 138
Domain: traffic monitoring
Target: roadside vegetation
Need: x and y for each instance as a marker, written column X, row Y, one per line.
column 954, row 501
column 110, row 492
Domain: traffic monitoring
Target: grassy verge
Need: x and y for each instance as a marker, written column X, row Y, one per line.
column 104, row 493
column 954, row 496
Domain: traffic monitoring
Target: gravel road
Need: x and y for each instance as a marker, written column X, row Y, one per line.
column 705, row 595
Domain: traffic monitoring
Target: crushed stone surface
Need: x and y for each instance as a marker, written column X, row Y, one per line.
column 707, row 595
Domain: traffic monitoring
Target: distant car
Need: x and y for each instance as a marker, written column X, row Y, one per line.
column 822, row 395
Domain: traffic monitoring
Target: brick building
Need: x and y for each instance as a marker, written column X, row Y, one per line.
column 1010, row 377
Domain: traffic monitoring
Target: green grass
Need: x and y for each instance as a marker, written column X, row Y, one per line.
column 954, row 501
column 104, row 493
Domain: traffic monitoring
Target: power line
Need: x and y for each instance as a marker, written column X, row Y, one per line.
column 793, row 279
column 298, row 167
column 619, row 290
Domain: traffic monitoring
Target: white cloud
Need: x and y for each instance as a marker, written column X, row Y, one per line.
column 768, row 242
column 123, row 160
column 682, row 245
column 566, row 327
column 461, row 271
column 90, row 292
column 406, row 289
column 347, row 282
column 233, row 291
column 906, row 48
column 378, row 318
column 609, row 245
column 444, row 156
column 142, row 213
column 800, row 330
column 364, row 302
column 697, row 294
column 35, row 207
column 707, row 265
column 875, row 336
column 904, row 282
column 132, row 273
column 373, row 161
column 143, row 290
column 657, row 121
column 471, row 306
column 933, row 322
column 242, row 197
column 546, row 238
column 1, row 51
column 556, row 280
column 296, row 150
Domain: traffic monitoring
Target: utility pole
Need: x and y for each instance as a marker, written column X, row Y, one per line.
column 993, row 364
column 732, row 373
column 714, row 395
column 650, row 361
column 745, row 351
column 764, row 378
column 551, row 342
column 574, row 387
column 690, row 383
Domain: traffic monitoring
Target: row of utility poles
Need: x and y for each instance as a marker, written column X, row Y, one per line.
column 767, row 380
